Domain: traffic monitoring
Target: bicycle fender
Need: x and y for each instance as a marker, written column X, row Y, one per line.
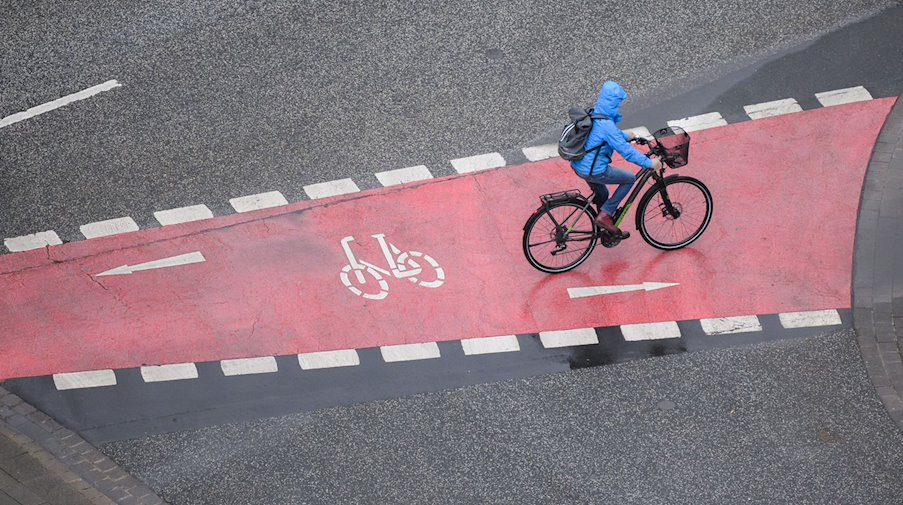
column 578, row 200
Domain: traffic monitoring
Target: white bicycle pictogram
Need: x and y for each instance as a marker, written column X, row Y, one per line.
column 402, row 265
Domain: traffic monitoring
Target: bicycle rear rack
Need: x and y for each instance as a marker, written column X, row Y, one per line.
column 562, row 196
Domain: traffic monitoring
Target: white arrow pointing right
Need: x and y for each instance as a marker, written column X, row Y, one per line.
column 607, row 290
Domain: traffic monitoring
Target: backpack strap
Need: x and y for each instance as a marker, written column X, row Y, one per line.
column 596, row 156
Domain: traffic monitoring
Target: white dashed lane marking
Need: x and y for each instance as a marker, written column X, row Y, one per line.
column 810, row 318
column 258, row 201
column 59, row 102
column 79, row 380
column 770, row 109
column 478, row 162
column 567, row 338
column 33, row 241
column 162, row 373
column 701, row 122
column 539, row 153
column 331, row 188
column 328, row 359
column 490, row 345
column 404, row 175
column 109, row 227
column 650, row 331
column 249, row 366
column 409, row 352
column 842, row 96
column 725, row 325
column 183, row 215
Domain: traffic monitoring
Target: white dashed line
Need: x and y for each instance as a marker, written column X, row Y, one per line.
column 701, row 122
column 478, row 162
column 409, row 352
column 567, row 338
column 79, row 380
column 183, row 215
column 108, row 227
column 404, row 175
column 770, row 109
column 842, row 96
column 258, row 201
column 161, row 373
column 490, row 345
column 641, row 131
column 59, row 102
column 539, row 153
column 328, row 359
column 331, row 188
column 33, row 241
column 650, row 331
column 810, row 318
column 249, row 366
column 724, row 325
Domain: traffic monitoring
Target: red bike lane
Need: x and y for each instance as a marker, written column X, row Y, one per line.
column 269, row 283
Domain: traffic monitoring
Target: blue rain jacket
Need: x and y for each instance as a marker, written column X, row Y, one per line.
column 610, row 98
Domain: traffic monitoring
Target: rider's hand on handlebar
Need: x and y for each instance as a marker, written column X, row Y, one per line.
column 656, row 164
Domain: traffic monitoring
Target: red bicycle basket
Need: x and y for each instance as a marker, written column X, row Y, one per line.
column 676, row 145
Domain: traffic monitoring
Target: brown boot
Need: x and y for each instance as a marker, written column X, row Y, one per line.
column 605, row 221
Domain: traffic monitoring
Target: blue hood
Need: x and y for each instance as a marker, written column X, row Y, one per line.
column 610, row 98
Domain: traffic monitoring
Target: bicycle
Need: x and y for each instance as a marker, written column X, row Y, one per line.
column 562, row 232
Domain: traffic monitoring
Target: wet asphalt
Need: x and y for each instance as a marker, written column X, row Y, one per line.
column 789, row 422
column 225, row 99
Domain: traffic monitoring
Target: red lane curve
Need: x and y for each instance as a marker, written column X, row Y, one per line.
column 786, row 196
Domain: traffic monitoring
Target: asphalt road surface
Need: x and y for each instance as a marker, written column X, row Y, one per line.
column 225, row 99
column 789, row 422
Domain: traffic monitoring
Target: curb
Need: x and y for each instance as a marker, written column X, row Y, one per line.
column 877, row 271
column 64, row 466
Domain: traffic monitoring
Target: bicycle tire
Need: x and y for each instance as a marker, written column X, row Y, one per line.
column 690, row 197
column 547, row 230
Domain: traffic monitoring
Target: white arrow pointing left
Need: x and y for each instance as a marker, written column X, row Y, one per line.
column 608, row 290
column 172, row 261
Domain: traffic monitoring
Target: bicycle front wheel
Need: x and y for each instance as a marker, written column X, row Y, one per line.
column 560, row 237
column 677, row 225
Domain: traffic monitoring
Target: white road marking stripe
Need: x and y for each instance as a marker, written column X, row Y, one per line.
column 248, row 366
column 770, row 109
column 331, row 188
column 258, row 201
column 409, row 352
column 404, row 175
column 108, row 227
column 842, row 96
column 160, row 373
column 183, row 215
column 701, row 122
column 33, row 241
column 328, row 359
column 490, row 345
column 539, row 153
column 59, row 102
column 640, row 131
column 567, row 338
column 650, row 331
column 79, row 380
column 736, row 324
column 478, row 162
column 810, row 318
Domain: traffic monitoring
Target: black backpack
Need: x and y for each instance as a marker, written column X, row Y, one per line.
column 571, row 145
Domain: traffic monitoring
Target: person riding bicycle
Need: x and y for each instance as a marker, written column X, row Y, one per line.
column 595, row 168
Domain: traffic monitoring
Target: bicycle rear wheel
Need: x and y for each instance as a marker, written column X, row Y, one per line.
column 550, row 247
column 677, row 226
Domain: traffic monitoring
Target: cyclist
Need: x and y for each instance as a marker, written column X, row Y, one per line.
column 611, row 138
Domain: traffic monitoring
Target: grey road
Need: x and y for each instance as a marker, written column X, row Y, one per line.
column 790, row 422
column 225, row 99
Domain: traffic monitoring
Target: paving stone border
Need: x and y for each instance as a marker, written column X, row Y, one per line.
column 878, row 266
column 49, row 462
